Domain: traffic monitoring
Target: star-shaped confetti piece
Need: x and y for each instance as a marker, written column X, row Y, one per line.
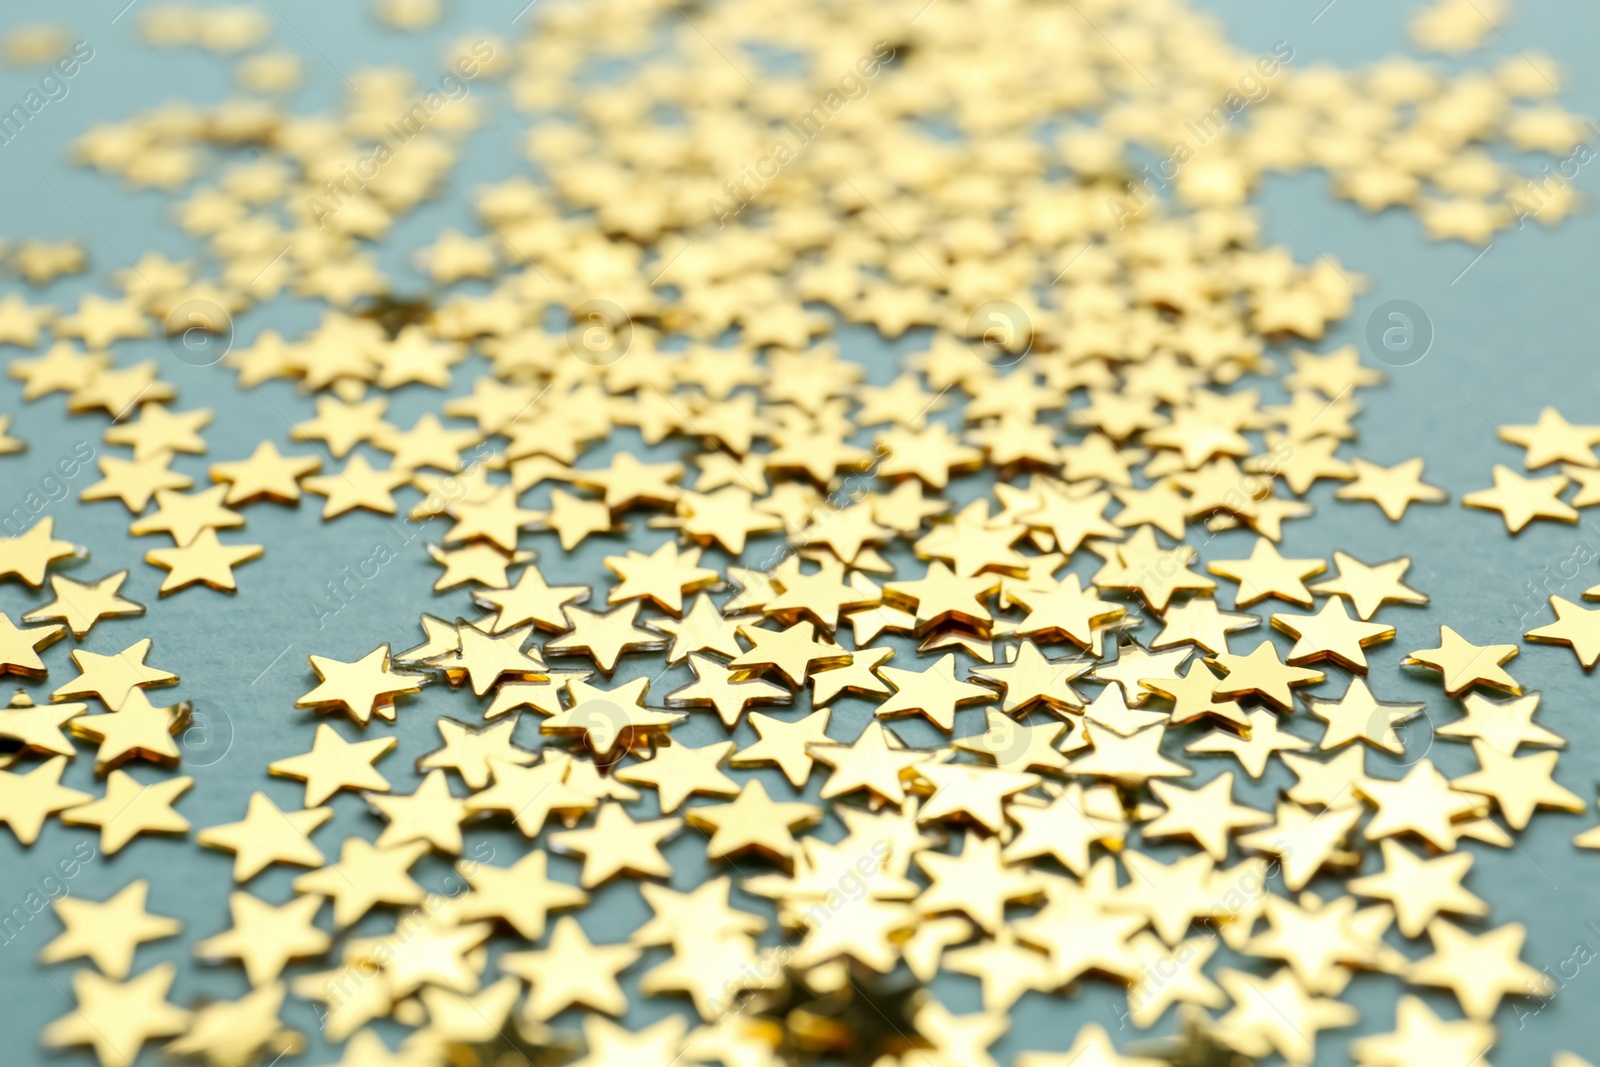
column 107, row 932
column 267, row 475
column 138, row 729
column 934, row 692
column 1267, row 574
column 1576, row 627
column 1554, row 440
column 1370, row 587
column 729, row 692
column 1424, row 802
column 1463, row 665
column 184, row 516
column 1504, row 724
column 607, row 719
column 753, row 823
column 1420, row 889
column 135, row 482
column 30, row 554
column 474, row 752
column 1201, row 623
column 359, row 485
column 1420, row 1035
column 364, row 877
column 531, row 599
column 1032, row 680
column 1392, row 488
column 1207, row 815
column 430, row 813
column 131, row 808
column 1260, row 741
column 82, row 604
column 604, row 638
column 1521, row 500
column 792, row 652
column 1480, row 969
column 1518, row 785
column 265, row 938
column 1331, row 634
column 1261, row 674
column 572, row 971
column 1359, row 716
column 334, row 764
column 785, row 745
column 117, row 1018
column 202, row 561
column 364, row 687
column 876, row 761
column 522, row 895
column 617, row 845
column 111, row 678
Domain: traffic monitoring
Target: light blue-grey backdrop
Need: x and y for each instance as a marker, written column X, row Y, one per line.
column 1512, row 333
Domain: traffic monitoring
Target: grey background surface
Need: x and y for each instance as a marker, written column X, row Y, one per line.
column 1512, row 333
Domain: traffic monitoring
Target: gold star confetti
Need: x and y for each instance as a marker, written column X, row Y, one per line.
column 82, row 604
column 27, row 556
column 117, row 1018
column 654, row 376
column 108, row 932
column 1393, row 489
column 1463, row 665
column 268, row 835
column 1521, row 500
column 204, row 560
column 1576, row 627
column 334, row 764
column 131, row 808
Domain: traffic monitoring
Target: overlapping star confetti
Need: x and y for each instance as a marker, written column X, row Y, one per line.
column 981, row 706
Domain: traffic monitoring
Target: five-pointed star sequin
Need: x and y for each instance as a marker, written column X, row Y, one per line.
column 82, row 604
column 1463, row 665
column 28, row 555
column 130, row 808
column 1267, row 574
column 1575, row 626
column 267, row 475
column 203, row 561
column 334, row 764
column 109, row 931
column 753, row 823
column 1392, row 488
column 1360, row 716
column 608, row 718
column 1520, row 500
column 934, row 692
column 1370, row 587
column 363, row 688
column 1555, row 440
column 784, row 744
column 111, row 678
column 617, row 844
column 531, row 599
column 268, row 835
column 604, row 638
column 117, row 1018
column 1331, row 634
column 714, row 352
column 726, row 691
